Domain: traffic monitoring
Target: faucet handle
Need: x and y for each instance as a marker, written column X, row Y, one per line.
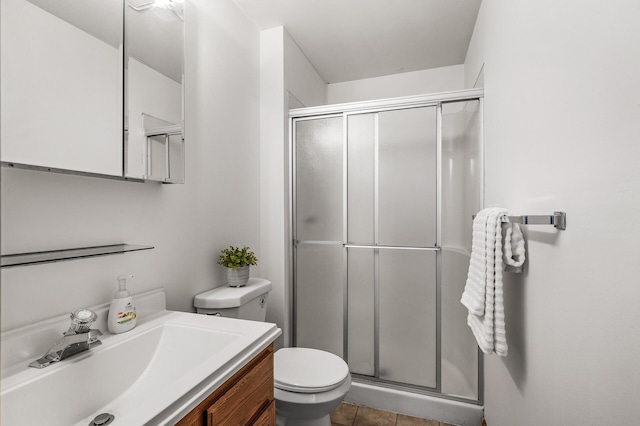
column 81, row 320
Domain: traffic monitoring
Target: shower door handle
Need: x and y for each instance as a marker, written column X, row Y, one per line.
column 391, row 247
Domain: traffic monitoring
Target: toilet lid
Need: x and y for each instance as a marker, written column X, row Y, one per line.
column 306, row 370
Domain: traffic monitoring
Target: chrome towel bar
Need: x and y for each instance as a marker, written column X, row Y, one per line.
column 557, row 219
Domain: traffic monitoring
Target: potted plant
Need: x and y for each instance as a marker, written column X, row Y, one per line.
column 237, row 260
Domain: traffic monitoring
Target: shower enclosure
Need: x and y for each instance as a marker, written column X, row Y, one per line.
column 383, row 195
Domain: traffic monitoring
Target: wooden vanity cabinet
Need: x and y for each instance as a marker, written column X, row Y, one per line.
column 245, row 399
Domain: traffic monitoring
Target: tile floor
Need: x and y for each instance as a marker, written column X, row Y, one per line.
column 355, row 415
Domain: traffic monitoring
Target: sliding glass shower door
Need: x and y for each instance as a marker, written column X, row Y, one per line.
column 367, row 241
column 392, row 244
column 319, row 264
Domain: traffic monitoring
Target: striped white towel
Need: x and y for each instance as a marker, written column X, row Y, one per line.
column 483, row 294
column 474, row 293
column 514, row 255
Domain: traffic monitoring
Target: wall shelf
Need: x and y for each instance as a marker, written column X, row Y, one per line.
column 11, row 164
column 35, row 258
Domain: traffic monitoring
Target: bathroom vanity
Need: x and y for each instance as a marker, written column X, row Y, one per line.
column 246, row 398
column 173, row 368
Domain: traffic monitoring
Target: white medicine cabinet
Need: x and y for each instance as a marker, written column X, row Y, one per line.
column 75, row 90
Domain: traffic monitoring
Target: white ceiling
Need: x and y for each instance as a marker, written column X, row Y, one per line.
column 354, row 39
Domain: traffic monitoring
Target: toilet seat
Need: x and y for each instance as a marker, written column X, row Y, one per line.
column 306, row 370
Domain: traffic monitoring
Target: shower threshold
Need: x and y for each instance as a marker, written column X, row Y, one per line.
column 414, row 402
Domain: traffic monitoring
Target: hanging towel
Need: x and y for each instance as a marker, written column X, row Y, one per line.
column 513, row 255
column 475, row 290
column 483, row 294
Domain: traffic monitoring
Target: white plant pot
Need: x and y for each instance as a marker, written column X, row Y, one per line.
column 238, row 277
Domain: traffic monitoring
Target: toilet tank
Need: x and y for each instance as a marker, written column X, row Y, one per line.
column 248, row 302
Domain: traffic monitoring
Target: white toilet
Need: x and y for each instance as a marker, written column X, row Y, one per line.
column 309, row 383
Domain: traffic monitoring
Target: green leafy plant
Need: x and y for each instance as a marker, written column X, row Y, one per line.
column 234, row 257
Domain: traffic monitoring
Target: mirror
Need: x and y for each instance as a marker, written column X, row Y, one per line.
column 164, row 150
column 154, row 87
column 61, row 84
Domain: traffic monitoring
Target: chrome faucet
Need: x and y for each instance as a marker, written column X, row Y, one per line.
column 78, row 338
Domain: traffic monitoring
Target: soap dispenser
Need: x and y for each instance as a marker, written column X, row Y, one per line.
column 122, row 313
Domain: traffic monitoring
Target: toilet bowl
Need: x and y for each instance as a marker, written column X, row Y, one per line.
column 308, row 383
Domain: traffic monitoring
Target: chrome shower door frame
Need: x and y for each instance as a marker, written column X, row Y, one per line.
column 375, row 107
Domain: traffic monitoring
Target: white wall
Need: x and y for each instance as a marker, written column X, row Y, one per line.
column 562, row 126
column 188, row 224
column 302, row 81
column 285, row 75
column 273, row 175
column 433, row 80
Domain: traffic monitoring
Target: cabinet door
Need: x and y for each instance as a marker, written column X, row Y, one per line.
column 250, row 395
column 61, row 77
column 268, row 416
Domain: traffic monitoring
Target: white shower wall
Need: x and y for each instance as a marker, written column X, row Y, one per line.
column 462, row 191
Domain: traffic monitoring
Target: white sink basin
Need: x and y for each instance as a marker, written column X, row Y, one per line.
column 151, row 375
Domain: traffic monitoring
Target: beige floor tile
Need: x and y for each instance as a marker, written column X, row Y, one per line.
column 415, row 421
column 344, row 415
column 371, row 417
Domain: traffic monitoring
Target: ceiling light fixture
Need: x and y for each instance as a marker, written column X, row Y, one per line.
column 165, row 4
column 175, row 6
